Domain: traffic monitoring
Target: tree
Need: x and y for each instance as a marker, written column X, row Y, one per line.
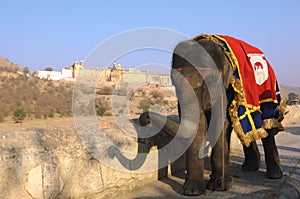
column 145, row 104
column 26, row 70
column 1, row 118
column 292, row 97
column 156, row 94
column 107, row 90
column 19, row 115
column 48, row 69
column 146, row 107
column 101, row 110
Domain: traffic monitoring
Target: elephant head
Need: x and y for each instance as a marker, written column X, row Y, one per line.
column 195, row 69
column 201, row 73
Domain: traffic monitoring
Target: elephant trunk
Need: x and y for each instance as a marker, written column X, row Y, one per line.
column 186, row 128
column 137, row 161
column 169, row 126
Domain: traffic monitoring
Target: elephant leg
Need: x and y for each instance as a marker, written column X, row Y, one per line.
column 252, row 157
column 162, row 161
column 220, row 163
column 179, row 165
column 272, row 158
column 194, row 182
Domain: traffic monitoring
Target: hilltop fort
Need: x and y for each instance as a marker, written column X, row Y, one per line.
column 110, row 75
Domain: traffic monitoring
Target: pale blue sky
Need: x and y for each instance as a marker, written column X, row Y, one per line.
column 38, row 34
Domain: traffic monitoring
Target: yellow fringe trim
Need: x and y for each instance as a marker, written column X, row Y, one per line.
column 240, row 99
column 273, row 124
column 245, row 139
column 229, row 55
column 282, row 108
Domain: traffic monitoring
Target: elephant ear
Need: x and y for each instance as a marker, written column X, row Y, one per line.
column 218, row 55
column 227, row 72
column 222, row 62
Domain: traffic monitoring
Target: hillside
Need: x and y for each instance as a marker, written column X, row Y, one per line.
column 39, row 98
column 43, row 98
column 8, row 66
column 288, row 89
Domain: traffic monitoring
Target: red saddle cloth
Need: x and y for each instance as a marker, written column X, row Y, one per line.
column 257, row 98
column 255, row 73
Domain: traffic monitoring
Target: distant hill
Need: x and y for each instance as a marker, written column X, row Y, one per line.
column 6, row 65
column 39, row 98
column 285, row 89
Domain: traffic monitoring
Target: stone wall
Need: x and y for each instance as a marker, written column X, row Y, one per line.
column 52, row 163
column 135, row 77
column 131, row 75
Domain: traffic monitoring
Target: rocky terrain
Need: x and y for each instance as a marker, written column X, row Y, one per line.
column 53, row 163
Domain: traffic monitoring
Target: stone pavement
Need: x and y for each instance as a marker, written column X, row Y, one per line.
column 245, row 184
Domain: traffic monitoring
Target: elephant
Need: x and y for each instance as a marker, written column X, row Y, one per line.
column 195, row 89
column 185, row 53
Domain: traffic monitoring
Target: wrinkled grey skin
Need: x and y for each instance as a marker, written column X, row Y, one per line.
column 194, row 183
column 220, row 178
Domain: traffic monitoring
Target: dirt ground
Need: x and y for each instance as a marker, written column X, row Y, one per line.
column 10, row 125
column 134, row 110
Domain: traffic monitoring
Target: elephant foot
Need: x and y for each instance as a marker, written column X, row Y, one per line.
column 215, row 184
column 193, row 188
column 274, row 172
column 251, row 165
